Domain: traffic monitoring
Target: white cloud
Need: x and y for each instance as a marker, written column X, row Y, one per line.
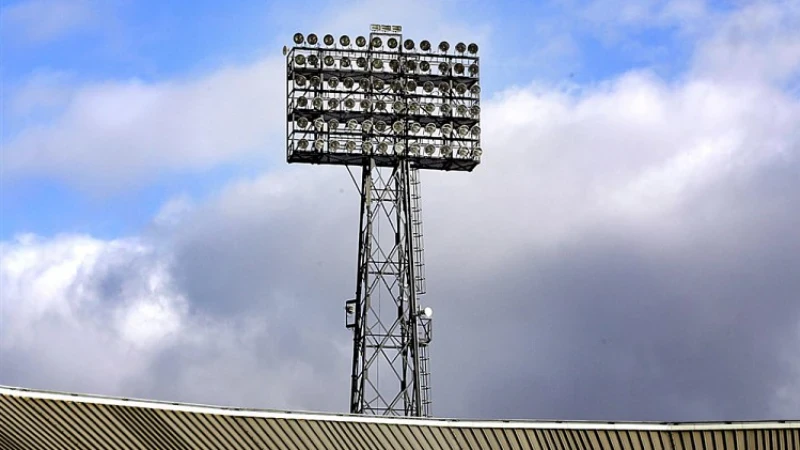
column 44, row 20
column 618, row 237
column 115, row 134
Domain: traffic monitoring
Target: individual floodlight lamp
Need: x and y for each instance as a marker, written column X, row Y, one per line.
column 319, row 144
column 461, row 47
column 328, row 40
column 312, row 39
column 444, row 46
column 472, row 48
column 430, row 149
column 408, row 44
column 361, row 41
column 392, row 43
column 426, row 313
column 344, row 40
column 425, row 45
column 298, row 38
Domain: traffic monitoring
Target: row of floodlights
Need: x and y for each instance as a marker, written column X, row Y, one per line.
column 383, row 148
column 398, row 106
column 377, row 42
column 378, row 64
column 397, row 85
column 398, row 127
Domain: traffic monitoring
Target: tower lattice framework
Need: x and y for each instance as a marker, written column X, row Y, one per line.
column 391, row 109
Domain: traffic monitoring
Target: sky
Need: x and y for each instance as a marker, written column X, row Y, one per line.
column 628, row 248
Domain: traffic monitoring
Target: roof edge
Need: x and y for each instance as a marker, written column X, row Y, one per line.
column 411, row 421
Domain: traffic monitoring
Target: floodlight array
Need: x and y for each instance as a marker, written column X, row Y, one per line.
column 384, row 98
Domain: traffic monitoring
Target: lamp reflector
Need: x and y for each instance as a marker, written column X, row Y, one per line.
column 424, row 66
column 366, row 125
column 427, row 86
column 413, row 149
column 376, row 42
column 415, row 127
column 444, row 46
column 333, row 103
column 328, row 60
column 383, row 147
column 473, row 69
column 319, row 144
column 313, row 60
column 430, row 128
column 312, row 39
column 366, row 147
column 302, row 122
column 302, row 144
column 298, row 38
column 380, row 105
column 300, row 80
column 463, row 130
column 447, row 129
column 349, row 83
column 317, row 102
column 328, row 40
column 333, row 125
column 472, row 48
column 344, row 41
column 319, row 124
column 443, row 67
column 300, row 60
column 377, row 64
column 458, row 68
column 430, row 149
column 302, row 102
column 408, row 44
column 350, row 146
column 361, row 41
column 333, row 146
column 349, row 103
column 425, row 45
column 392, row 43
column 461, row 47
column 380, row 126
column 352, row 124
column 333, row 82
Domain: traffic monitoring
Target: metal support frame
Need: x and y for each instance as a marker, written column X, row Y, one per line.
column 390, row 372
column 340, row 126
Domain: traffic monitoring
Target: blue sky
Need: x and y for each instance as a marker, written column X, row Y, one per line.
column 633, row 221
column 160, row 42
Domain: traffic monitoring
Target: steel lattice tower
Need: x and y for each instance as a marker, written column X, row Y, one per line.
column 391, row 110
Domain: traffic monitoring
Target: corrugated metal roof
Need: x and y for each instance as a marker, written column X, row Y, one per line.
column 48, row 420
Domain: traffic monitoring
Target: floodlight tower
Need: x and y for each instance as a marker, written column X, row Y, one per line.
column 389, row 108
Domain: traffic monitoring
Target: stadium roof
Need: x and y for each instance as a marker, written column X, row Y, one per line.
column 48, row 420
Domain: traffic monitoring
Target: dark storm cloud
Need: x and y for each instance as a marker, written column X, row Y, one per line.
column 692, row 323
